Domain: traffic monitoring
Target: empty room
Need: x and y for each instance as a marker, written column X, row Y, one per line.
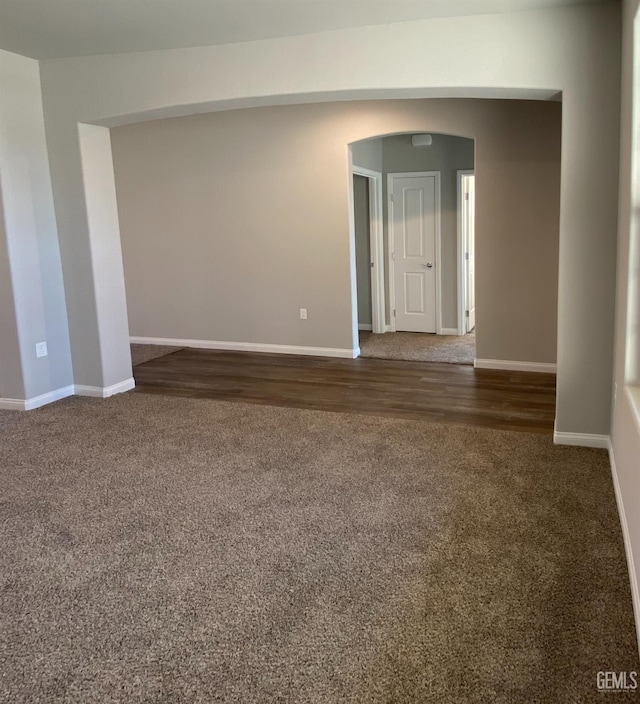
column 319, row 352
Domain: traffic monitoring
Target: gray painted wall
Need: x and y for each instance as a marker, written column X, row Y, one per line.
column 32, row 302
column 367, row 154
column 11, row 379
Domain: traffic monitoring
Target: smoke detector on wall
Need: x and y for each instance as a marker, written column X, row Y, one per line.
column 422, row 140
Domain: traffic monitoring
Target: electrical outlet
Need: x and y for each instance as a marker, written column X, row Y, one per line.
column 41, row 349
column 303, row 313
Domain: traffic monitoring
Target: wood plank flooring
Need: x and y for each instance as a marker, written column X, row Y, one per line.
column 428, row 390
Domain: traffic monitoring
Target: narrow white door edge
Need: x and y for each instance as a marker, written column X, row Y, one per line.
column 461, row 252
column 580, row 439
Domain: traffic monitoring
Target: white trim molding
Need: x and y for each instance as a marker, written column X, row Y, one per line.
column 13, row 404
column 541, row 367
column 581, row 439
column 461, row 283
column 345, row 353
column 365, row 327
column 50, row 397
column 29, row 404
column 633, row 576
column 450, row 331
column 105, row 392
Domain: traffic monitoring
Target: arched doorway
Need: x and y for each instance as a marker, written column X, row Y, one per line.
column 414, row 245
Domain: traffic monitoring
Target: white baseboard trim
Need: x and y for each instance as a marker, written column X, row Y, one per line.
column 50, row 397
column 29, row 404
column 387, row 328
column 581, row 439
column 449, row 331
column 249, row 347
column 100, row 392
column 365, row 326
column 542, row 367
column 12, row 404
column 633, row 577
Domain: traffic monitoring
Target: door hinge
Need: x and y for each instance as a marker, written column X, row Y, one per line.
column 394, row 312
column 372, row 265
column 466, row 313
column 466, row 256
column 393, row 256
column 466, row 196
column 391, row 197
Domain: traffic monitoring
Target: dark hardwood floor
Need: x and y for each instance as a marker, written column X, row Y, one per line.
column 428, row 390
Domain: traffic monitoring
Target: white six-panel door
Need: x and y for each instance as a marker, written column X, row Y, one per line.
column 468, row 189
column 413, row 239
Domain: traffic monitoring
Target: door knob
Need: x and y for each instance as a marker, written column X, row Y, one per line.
column 428, row 265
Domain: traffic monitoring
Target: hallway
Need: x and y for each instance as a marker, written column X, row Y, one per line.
column 419, row 347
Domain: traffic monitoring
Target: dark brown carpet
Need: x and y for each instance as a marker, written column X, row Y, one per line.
column 173, row 550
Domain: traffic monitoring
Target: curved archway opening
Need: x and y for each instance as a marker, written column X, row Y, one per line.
column 233, row 221
column 413, row 225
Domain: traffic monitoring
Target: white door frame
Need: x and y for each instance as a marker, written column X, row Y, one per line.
column 462, row 327
column 392, row 288
column 376, row 245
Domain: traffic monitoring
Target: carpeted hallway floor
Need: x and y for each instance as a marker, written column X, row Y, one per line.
column 159, row 549
column 419, row 347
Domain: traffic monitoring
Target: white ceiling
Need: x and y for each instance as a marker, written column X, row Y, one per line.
column 45, row 29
